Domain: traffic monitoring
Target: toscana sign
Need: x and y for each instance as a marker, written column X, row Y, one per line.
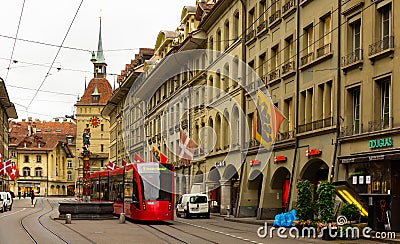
column 380, row 143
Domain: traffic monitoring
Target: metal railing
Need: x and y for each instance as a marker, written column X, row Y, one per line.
column 284, row 135
column 288, row 67
column 353, row 57
column 381, row 124
column 273, row 75
column 308, row 58
column 274, row 17
column 315, row 125
column 325, row 49
column 250, row 35
column 382, row 45
column 289, row 5
column 252, row 143
column 262, row 26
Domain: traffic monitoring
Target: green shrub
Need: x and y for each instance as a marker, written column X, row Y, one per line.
column 326, row 202
column 350, row 211
column 304, row 205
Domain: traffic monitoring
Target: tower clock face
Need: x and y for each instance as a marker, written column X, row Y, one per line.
column 94, row 121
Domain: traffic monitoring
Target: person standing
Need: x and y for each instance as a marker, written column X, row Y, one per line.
column 19, row 193
column 32, row 196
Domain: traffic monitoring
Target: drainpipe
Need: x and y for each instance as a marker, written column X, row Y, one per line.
column 243, row 129
column 338, row 102
column 291, row 183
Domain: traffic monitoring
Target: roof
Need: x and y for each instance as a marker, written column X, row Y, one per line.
column 104, row 88
column 47, row 134
column 5, row 101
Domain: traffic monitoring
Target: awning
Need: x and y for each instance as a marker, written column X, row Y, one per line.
column 369, row 157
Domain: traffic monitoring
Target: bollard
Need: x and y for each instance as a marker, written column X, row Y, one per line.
column 68, row 218
column 228, row 211
column 122, row 218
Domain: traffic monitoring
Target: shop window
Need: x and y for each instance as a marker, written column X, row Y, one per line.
column 370, row 178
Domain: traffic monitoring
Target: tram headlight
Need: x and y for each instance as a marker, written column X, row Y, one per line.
column 144, row 205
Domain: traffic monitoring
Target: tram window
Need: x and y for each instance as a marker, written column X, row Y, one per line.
column 135, row 194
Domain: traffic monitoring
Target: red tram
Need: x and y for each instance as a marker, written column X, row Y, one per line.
column 143, row 191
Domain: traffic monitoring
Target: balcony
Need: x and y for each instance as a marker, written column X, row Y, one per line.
column 382, row 48
column 250, row 37
column 273, row 76
column 324, row 50
column 315, row 125
column 288, row 8
column 288, row 69
column 253, row 143
column 308, row 58
column 352, row 60
column 274, row 19
column 261, row 28
column 350, row 130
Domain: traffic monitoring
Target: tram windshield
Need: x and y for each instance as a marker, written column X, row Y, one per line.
column 156, row 180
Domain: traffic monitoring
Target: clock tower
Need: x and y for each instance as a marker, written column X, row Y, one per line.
column 88, row 114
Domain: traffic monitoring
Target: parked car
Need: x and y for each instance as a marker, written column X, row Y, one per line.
column 6, row 201
column 193, row 205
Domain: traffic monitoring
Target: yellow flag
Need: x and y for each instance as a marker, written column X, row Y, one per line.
column 267, row 122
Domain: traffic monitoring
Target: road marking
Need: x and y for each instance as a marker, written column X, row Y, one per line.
column 219, row 232
column 12, row 213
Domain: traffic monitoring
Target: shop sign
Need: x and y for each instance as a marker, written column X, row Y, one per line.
column 313, row 152
column 220, row 164
column 254, row 162
column 280, row 159
column 380, row 143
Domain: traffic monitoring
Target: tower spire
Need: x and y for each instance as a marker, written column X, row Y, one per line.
column 100, row 54
column 99, row 61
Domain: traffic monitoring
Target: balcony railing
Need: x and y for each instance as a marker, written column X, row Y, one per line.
column 315, row 125
column 253, row 143
column 274, row 75
column 289, row 5
column 261, row 27
column 324, row 50
column 382, row 45
column 250, row 35
column 353, row 57
column 274, row 17
column 381, row 124
column 308, row 58
column 288, row 67
column 285, row 135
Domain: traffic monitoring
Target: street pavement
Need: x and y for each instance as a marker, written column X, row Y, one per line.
column 41, row 222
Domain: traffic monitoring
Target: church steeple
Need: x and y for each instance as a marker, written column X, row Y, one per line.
column 99, row 62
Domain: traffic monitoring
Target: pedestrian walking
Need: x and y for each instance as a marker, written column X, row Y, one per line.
column 32, row 196
column 19, row 193
column 24, row 194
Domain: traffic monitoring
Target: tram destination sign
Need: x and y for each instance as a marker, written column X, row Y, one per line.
column 380, row 143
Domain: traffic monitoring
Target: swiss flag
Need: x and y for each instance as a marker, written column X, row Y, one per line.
column 186, row 147
column 111, row 166
column 137, row 158
column 12, row 170
column 4, row 167
column 124, row 163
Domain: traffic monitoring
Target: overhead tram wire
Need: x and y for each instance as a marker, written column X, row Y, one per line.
column 15, row 40
column 54, row 60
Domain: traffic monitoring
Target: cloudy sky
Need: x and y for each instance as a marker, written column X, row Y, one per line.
column 126, row 26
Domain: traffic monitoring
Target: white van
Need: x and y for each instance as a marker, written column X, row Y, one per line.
column 6, row 201
column 193, row 204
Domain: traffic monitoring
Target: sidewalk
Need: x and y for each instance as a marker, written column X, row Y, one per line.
column 254, row 221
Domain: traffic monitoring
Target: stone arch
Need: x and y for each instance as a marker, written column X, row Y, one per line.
column 280, row 183
column 230, row 172
column 214, row 189
column 255, row 186
column 315, row 170
column 198, row 177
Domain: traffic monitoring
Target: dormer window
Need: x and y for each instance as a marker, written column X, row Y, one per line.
column 95, row 95
column 24, row 144
column 39, row 145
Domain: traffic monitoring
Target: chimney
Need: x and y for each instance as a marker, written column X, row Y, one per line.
column 29, row 130
column 23, row 120
column 30, row 119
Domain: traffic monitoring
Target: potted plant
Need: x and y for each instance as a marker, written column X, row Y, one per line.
column 325, row 204
column 304, row 205
column 352, row 213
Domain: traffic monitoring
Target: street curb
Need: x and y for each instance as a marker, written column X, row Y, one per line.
column 238, row 220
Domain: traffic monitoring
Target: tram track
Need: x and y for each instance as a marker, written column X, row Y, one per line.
column 29, row 233
column 163, row 232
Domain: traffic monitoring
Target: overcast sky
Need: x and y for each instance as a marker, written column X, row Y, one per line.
column 126, row 26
